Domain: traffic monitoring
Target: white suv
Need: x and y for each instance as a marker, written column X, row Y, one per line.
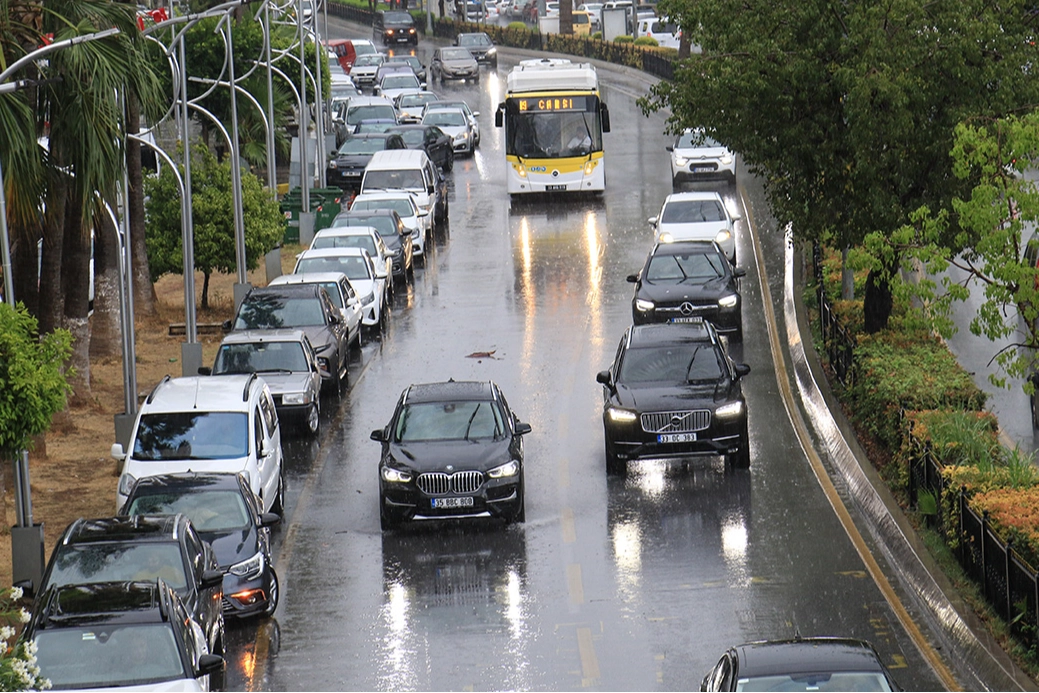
column 215, row 423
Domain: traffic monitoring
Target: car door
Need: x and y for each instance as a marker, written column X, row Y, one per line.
column 272, row 428
column 338, row 327
column 208, row 607
column 436, row 144
column 351, row 309
column 434, row 64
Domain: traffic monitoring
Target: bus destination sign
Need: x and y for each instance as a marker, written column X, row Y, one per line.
column 553, row 104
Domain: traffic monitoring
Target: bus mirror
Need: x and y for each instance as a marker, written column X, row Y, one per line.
column 499, row 115
column 605, row 113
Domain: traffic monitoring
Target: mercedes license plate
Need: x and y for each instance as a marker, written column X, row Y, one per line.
column 689, row 319
column 464, row 502
column 676, row 438
column 555, row 188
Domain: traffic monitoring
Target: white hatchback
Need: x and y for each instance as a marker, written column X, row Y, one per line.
column 417, row 220
column 695, row 156
column 696, row 216
column 359, row 267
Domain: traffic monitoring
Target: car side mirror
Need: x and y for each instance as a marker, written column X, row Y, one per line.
column 205, row 370
column 352, row 301
column 652, row 221
column 209, row 664
column 28, row 590
column 211, row 578
column 742, row 369
column 269, row 519
column 737, row 217
column 739, row 272
column 522, row 428
column 422, row 84
column 476, row 114
column 333, row 318
column 633, row 278
column 604, row 378
column 117, row 451
column 379, row 435
column 669, row 148
column 226, row 325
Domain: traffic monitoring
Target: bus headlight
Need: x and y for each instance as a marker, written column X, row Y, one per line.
column 589, row 167
column 521, row 170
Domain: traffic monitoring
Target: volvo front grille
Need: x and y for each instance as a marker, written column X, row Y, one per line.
column 676, row 421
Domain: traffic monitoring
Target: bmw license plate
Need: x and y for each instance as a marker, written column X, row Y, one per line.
column 445, row 503
column 676, row 438
column 555, row 188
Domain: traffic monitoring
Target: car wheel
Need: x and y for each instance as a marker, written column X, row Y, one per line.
column 615, row 466
column 278, row 507
column 314, row 419
column 274, row 596
column 449, row 163
column 386, row 520
column 741, row 458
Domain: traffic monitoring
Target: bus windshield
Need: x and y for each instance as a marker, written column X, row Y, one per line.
column 553, row 134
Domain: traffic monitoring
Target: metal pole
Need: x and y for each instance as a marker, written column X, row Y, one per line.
column 5, row 246
column 188, row 229
column 129, row 336
column 272, row 174
column 319, row 107
column 304, row 115
column 236, row 165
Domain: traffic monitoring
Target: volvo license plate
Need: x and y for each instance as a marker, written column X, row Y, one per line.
column 555, row 188
column 446, row 503
column 676, row 438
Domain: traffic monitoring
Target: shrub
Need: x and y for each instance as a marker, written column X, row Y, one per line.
column 1014, row 516
column 646, row 41
column 597, row 35
column 624, row 39
column 517, row 26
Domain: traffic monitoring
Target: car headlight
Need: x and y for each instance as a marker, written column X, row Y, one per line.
column 723, row 236
column 621, row 415
column 728, row 301
column 250, row 568
column 394, row 476
column 322, row 349
column 666, row 237
column 323, row 364
column 643, row 306
column 126, row 482
column 411, row 31
column 332, row 164
column 510, row 468
column 296, row 398
column 370, row 298
column 726, row 158
column 461, row 137
column 681, row 161
column 729, row 411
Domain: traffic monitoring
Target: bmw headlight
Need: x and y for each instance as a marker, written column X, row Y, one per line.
column 126, row 482
column 291, row 398
column 723, row 236
column 368, row 299
column 728, row 301
column 250, row 568
column 510, row 468
column 729, row 411
column 394, row 476
column 621, row 415
column 643, row 306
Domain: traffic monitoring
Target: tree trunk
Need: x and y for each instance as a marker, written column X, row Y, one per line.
column 876, row 304
column 25, row 261
column 145, row 303
column 847, row 277
column 105, row 325
column 75, row 280
column 52, row 303
column 204, row 305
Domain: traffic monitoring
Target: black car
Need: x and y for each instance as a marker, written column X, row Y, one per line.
column 226, row 513
column 673, row 391
column 143, row 548
column 480, row 45
column 801, row 664
column 113, row 634
column 393, row 232
column 391, row 27
column 435, row 141
column 346, row 166
column 309, row 308
column 689, row 281
column 451, row 450
column 416, row 65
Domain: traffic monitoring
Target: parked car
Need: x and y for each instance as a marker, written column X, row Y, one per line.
column 665, row 32
column 416, row 219
column 395, row 84
column 224, row 423
column 581, row 21
column 453, row 62
column 394, row 234
column 116, row 635
column 801, row 664
column 364, row 69
column 451, row 449
column 360, row 237
column 227, row 515
column 437, row 144
column 455, row 125
column 364, row 108
column 309, row 308
column 696, row 216
column 339, row 289
column 286, row 360
column 695, row 156
column 348, row 50
column 458, row 103
column 409, row 105
column 144, row 548
column 480, row 45
column 592, row 8
column 410, row 171
column 359, row 267
column 347, row 164
column 416, row 65
column 688, row 281
column 393, row 67
column 394, row 27
column 673, row 391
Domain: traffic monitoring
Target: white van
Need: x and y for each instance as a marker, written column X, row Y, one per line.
column 410, row 170
column 663, row 31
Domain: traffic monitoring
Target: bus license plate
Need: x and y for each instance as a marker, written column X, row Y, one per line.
column 555, row 188
column 676, row 438
column 464, row 502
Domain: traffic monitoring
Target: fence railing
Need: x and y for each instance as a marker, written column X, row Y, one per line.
column 838, row 342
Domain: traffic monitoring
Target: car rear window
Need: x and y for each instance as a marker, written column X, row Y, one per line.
column 353, row 266
column 356, row 114
column 692, row 211
column 401, row 179
column 209, row 511
column 119, row 561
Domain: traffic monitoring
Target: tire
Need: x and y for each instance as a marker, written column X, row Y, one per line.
column 278, row 507
column 741, row 458
column 313, row 422
column 274, row 596
column 449, row 164
column 385, row 520
column 615, row 466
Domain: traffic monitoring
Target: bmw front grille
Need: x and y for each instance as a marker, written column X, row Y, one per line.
column 440, row 483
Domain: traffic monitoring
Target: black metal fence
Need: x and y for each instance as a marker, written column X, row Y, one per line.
column 838, row 342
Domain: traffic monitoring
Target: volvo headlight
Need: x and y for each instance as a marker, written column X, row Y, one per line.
column 723, row 236
column 250, row 568
column 643, row 306
column 296, row 398
column 621, row 415
column 394, row 476
column 728, row 301
column 729, row 411
column 510, row 468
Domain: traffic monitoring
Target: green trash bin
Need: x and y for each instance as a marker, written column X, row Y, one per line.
column 291, row 206
column 326, row 203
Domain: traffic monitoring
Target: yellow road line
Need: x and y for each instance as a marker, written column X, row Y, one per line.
column 574, row 583
column 589, row 662
column 801, row 429
column 566, row 518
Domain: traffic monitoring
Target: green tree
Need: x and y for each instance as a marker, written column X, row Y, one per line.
column 33, row 381
column 211, row 199
column 848, row 109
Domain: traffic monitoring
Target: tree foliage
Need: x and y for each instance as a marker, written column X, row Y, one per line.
column 212, row 204
column 33, row 383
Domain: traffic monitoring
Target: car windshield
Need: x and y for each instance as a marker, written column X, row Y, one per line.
column 364, row 49
column 260, row 357
column 700, row 266
column 119, row 561
column 370, row 112
column 108, row 655
column 353, row 266
column 400, row 179
column 192, row 435
column 400, row 205
column 444, row 118
column 456, row 54
column 397, row 18
column 220, row 510
column 383, row 224
column 413, row 138
column 673, row 363
column 449, row 421
column 474, row 40
column 691, row 140
column 400, row 82
column 369, row 58
column 268, row 312
column 362, row 145
column 692, row 212
column 836, row 681
column 346, row 241
column 409, row 100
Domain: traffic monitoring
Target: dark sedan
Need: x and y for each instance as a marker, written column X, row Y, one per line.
column 688, row 281
column 451, row 450
column 673, row 391
column 801, row 664
column 480, row 45
column 435, row 141
column 226, row 513
column 346, row 167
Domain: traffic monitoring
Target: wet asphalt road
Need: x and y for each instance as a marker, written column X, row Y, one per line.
column 635, row 583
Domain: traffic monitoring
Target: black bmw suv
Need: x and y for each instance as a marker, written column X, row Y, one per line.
column 451, row 450
column 673, row 391
column 689, row 281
